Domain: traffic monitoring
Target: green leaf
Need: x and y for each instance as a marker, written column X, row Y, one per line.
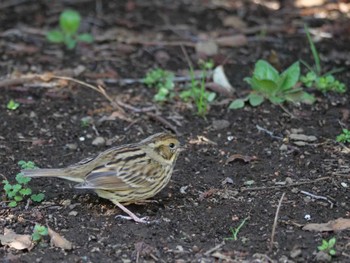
column 237, row 104
column 18, row 198
column 17, row 187
column 87, row 38
column 211, row 96
column 255, row 99
column 12, row 105
column 265, row 71
column 21, row 179
column 37, row 197
column 55, row 36
column 70, row 43
column 25, row 191
column 27, row 165
column 332, row 252
column 70, row 22
column 36, row 236
column 332, row 242
column 314, row 51
column 276, row 100
column 12, row 204
column 290, row 76
column 267, row 87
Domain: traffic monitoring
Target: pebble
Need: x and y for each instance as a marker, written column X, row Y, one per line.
column 98, row 141
column 72, row 146
column 73, row 213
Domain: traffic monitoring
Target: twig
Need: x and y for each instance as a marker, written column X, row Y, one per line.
column 164, row 122
column 275, row 221
column 317, row 197
column 217, row 247
column 283, row 186
column 287, row 111
column 268, row 132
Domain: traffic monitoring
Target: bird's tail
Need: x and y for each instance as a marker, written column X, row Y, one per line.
column 59, row 173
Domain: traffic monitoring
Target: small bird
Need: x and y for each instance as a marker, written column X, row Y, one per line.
column 124, row 174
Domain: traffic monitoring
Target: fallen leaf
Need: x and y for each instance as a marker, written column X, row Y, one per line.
column 232, row 41
column 333, row 225
column 219, row 77
column 209, row 48
column 244, row 158
column 207, row 194
column 16, row 241
column 59, row 241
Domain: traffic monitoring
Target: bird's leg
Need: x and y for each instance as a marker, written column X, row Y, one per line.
column 131, row 216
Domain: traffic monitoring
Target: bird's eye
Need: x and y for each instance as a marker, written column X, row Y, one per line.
column 172, row 145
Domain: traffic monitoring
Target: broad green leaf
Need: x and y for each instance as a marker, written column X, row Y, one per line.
column 87, row 38
column 37, row 197
column 55, row 36
column 290, row 76
column 255, row 99
column 18, row 198
column 332, row 252
column 237, row 104
column 276, row 100
column 21, row 179
column 267, row 87
column 25, row 191
column 12, row 204
column 17, row 187
column 12, row 105
column 332, row 242
column 211, row 96
column 307, row 98
column 70, row 43
column 265, row 71
column 70, row 22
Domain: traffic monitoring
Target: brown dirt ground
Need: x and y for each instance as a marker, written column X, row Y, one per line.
column 198, row 207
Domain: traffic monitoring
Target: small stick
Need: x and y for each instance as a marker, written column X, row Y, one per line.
column 275, row 222
column 217, row 247
column 163, row 121
column 317, row 197
column 268, row 132
column 287, row 111
column 283, row 186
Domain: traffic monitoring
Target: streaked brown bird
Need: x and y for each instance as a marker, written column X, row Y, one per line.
column 126, row 174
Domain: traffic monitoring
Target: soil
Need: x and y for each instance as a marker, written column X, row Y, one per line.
column 237, row 164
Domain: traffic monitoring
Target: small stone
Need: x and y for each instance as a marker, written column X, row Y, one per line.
column 227, row 180
column 72, row 146
column 220, row 124
column 295, row 253
column 302, row 137
column 289, row 180
column 283, row 148
column 195, row 249
column 66, row 202
column 322, row 256
column 73, row 213
column 98, row 141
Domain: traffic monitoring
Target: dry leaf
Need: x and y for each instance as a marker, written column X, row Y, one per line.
column 234, row 22
column 59, row 241
column 220, row 78
column 209, row 48
column 232, row 41
column 16, row 241
column 244, row 158
column 333, row 225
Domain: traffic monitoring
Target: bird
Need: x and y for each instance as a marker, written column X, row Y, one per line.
column 126, row 174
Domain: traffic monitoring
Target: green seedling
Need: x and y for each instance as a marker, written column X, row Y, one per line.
column 68, row 32
column 197, row 92
column 12, row 105
column 267, row 83
column 315, row 78
column 20, row 190
column 235, row 231
column 344, row 137
column 39, row 232
column 163, row 81
column 328, row 246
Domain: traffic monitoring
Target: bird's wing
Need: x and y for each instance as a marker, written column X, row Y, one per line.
column 121, row 176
